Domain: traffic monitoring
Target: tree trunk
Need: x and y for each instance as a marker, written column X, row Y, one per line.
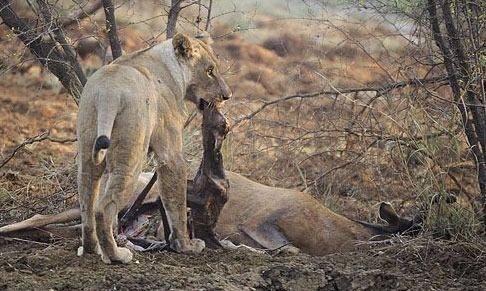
column 116, row 50
column 52, row 53
column 459, row 72
column 175, row 8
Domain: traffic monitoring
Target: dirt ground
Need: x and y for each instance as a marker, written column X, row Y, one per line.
column 405, row 265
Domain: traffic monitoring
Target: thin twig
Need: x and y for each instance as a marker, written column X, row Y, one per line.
column 379, row 90
column 208, row 19
column 83, row 12
column 38, row 138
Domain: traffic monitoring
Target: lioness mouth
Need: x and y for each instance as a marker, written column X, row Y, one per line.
column 202, row 104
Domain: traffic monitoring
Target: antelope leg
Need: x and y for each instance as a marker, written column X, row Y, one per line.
column 264, row 234
column 39, row 220
column 44, row 233
column 131, row 213
column 145, row 245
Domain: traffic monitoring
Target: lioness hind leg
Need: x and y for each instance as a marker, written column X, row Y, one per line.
column 172, row 187
column 89, row 177
column 118, row 185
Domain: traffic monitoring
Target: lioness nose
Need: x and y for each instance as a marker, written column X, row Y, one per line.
column 227, row 95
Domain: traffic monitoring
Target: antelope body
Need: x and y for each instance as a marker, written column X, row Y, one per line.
column 266, row 217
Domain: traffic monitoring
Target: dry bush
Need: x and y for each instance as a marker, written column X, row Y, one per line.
column 350, row 150
column 287, row 44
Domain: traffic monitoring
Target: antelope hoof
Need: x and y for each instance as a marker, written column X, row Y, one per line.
column 122, row 255
column 193, row 246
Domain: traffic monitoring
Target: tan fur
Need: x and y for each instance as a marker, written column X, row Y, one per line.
column 269, row 217
column 137, row 103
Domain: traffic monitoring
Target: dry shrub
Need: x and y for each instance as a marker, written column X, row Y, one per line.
column 238, row 49
column 45, row 188
column 272, row 81
column 451, row 221
column 346, row 51
column 287, row 44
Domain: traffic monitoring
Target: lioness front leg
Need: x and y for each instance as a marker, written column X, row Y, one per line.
column 173, row 185
column 118, row 185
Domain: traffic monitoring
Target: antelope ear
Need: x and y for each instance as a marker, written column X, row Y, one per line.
column 182, row 45
column 388, row 214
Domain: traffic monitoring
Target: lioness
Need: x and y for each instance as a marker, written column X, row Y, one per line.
column 130, row 107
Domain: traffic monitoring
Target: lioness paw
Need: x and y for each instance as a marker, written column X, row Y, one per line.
column 122, row 255
column 82, row 251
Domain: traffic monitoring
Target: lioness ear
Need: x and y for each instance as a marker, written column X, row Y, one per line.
column 205, row 37
column 388, row 214
column 182, row 45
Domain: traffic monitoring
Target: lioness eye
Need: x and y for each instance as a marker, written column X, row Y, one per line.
column 210, row 71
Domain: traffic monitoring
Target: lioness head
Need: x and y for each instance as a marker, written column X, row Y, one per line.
column 206, row 81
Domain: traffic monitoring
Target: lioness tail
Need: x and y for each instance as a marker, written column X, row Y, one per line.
column 106, row 117
column 101, row 144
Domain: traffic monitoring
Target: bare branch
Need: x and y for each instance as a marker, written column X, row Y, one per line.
column 110, row 21
column 343, row 165
column 65, row 69
column 59, row 37
column 175, row 8
column 208, row 18
column 458, row 72
column 379, row 90
column 38, row 138
column 77, row 16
